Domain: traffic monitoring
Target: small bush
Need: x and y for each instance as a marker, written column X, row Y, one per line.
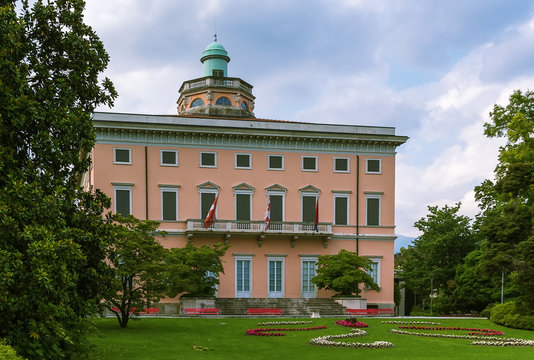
column 7, row 352
column 508, row 315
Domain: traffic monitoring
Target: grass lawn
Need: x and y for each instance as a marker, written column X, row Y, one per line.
column 163, row 339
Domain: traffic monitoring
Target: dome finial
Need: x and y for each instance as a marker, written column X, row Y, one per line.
column 215, row 37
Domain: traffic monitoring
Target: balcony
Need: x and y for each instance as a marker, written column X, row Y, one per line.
column 228, row 228
column 213, row 82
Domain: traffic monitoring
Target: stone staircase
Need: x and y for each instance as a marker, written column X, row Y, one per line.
column 290, row 307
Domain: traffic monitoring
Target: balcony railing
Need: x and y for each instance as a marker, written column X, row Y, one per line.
column 290, row 228
column 234, row 83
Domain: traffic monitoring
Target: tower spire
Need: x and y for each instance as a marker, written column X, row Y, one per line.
column 215, row 37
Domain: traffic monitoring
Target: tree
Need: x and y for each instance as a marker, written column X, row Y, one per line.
column 138, row 263
column 195, row 270
column 53, row 235
column 507, row 205
column 343, row 273
column 446, row 239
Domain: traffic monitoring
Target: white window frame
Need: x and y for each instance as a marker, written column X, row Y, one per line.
column 309, row 156
column 243, row 192
column 378, row 262
column 241, row 258
column 122, row 187
column 161, row 157
column 283, row 272
column 269, row 162
column 342, row 158
column 214, row 159
column 249, row 161
column 122, row 162
column 173, row 189
column 346, row 196
column 373, row 196
column 373, row 172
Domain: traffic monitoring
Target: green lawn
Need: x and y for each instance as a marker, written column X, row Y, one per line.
column 224, row 337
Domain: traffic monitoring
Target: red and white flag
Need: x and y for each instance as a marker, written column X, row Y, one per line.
column 268, row 214
column 210, row 219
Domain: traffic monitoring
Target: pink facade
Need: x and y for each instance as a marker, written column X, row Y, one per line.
column 129, row 153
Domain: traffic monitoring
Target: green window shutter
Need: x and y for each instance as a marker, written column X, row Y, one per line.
column 206, row 200
column 168, row 158
column 341, row 164
column 373, row 166
column 373, row 211
column 243, row 207
column 122, row 202
column 122, row 155
column 341, row 210
column 308, row 209
column 207, row 159
column 309, row 163
column 275, row 162
column 276, row 207
column 243, row 160
column 169, row 205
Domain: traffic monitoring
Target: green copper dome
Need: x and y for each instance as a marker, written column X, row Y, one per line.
column 215, row 59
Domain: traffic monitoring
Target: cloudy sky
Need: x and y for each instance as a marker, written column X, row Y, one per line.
column 431, row 68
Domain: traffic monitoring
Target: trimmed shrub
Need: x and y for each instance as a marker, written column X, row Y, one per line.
column 507, row 314
column 7, row 352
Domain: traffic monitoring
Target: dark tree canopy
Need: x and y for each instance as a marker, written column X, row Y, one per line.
column 53, row 239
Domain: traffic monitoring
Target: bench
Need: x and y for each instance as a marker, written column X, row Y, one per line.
column 202, row 311
column 150, row 311
column 371, row 312
column 260, row 311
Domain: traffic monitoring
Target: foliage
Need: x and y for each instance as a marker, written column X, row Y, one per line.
column 343, row 273
column 446, row 239
column 53, row 236
column 509, row 314
column 507, row 223
column 194, row 270
column 138, row 263
column 7, row 352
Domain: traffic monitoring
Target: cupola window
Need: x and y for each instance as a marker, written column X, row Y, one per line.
column 197, row 102
column 223, row 100
column 244, row 105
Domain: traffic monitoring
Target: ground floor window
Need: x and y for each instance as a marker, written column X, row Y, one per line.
column 276, row 276
column 243, row 276
column 309, row 265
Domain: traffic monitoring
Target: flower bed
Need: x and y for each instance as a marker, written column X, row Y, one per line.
column 352, row 323
column 327, row 341
column 410, row 322
column 284, row 323
column 274, row 331
column 473, row 331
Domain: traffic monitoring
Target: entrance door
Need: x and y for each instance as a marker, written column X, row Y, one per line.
column 242, row 280
column 276, row 278
column 308, row 272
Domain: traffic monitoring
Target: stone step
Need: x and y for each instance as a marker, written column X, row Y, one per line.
column 293, row 306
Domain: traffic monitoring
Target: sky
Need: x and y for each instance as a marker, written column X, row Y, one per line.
column 432, row 69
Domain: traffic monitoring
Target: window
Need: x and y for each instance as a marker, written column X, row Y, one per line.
column 276, row 162
column 275, row 277
column 223, row 100
column 243, row 276
column 242, row 161
column 244, row 105
column 208, row 159
column 123, row 200
column 169, row 203
column 197, row 102
column 122, row 156
column 169, row 158
column 372, row 210
column 243, row 206
column 206, row 200
column 375, row 270
column 218, row 73
column 341, row 209
column 309, row 163
column 341, row 165
column 374, row 166
column 308, row 208
column 308, row 272
column 277, row 208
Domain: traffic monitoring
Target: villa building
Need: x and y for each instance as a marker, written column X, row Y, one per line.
column 172, row 168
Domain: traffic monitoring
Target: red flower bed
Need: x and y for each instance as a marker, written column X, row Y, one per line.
column 473, row 331
column 268, row 331
column 351, row 323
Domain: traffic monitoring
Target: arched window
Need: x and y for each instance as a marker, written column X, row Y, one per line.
column 244, row 105
column 223, row 100
column 197, row 102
